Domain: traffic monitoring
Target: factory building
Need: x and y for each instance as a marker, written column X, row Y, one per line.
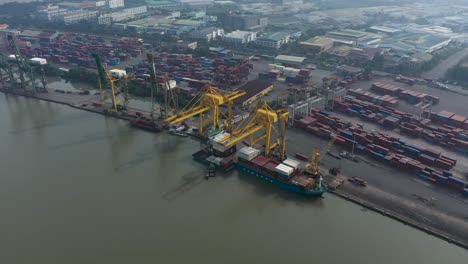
column 207, row 34
column 239, row 37
column 273, row 40
column 317, row 44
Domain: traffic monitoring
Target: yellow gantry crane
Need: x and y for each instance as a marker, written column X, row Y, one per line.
column 109, row 83
column 209, row 99
column 312, row 167
column 260, row 127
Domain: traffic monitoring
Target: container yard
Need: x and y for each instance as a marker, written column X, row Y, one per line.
column 221, row 71
column 76, row 49
column 444, row 128
column 430, row 165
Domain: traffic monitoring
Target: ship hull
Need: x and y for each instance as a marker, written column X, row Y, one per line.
column 146, row 126
column 283, row 185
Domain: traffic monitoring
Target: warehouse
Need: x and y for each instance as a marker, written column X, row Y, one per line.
column 289, row 60
column 254, row 90
column 317, row 44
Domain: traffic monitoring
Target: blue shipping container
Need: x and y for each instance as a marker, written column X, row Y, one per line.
column 456, row 181
column 347, row 134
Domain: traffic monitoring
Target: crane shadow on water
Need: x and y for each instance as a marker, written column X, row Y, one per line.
column 188, row 182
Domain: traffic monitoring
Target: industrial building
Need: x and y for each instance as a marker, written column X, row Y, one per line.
column 349, row 35
column 242, row 22
column 254, row 90
column 317, row 44
column 125, row 14
column 207, row 34
column 385, row 30
column 35, row 36
column 239, row 37
column 115, row 3
column 273, row 40
column 77, row 16
column 289, row 60
column 415, row 42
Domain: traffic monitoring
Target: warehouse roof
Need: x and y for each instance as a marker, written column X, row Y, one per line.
column 290, row 59
column 319, row 41
column 251, row 89
column 385, row 29
column 275, row 36
column 349, row 33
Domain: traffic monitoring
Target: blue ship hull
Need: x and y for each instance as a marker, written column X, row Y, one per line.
column 311, row 192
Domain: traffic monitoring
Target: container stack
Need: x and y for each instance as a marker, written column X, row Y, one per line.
column 385, row 100
column 302, row 182
column 284, row 171
column 248, row 153
column 451, row 134
column 383, row 147
column 409, row 96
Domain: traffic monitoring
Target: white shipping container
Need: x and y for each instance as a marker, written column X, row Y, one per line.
column 283, row 169
column 272, row 66
column 219, row 147
column 39, row 61
column 248, row 153
column 117, row 73
column 292, row 163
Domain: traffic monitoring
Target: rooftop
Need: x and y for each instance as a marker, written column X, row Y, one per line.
column 238, row 34
column 290, row 58
column 385, row 29
column 349, row 33
column 208, row 30
column 275, row 36
column 37, row 33
column 349, row 69
column 319, row 41
column 187, row 22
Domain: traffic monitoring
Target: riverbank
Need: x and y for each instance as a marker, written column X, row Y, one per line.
column 439, row 220
column 400, row 195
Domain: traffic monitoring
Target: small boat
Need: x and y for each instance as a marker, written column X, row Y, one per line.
column 178, row 133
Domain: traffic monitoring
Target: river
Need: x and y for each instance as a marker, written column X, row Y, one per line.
column 76, row 187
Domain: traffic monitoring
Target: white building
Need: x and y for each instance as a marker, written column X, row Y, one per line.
column 51, row 12
column 123, row 15
column 273, row 40
column 207, row 34
column 240, row 37
column 100, row 3
column 76, row 16
column 115, row 3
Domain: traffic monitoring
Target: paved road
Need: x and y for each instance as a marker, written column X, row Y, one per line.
column 438, row 72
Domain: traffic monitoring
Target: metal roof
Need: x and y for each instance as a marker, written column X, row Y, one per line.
column 275, row 36
column 290, row 58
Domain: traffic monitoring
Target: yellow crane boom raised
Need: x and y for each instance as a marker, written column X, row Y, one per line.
column 208, row 99
column 263, row 118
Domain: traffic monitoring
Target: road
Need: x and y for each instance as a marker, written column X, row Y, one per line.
column 438, row 72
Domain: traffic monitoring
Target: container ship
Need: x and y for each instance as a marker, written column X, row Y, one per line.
column 288, row 174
